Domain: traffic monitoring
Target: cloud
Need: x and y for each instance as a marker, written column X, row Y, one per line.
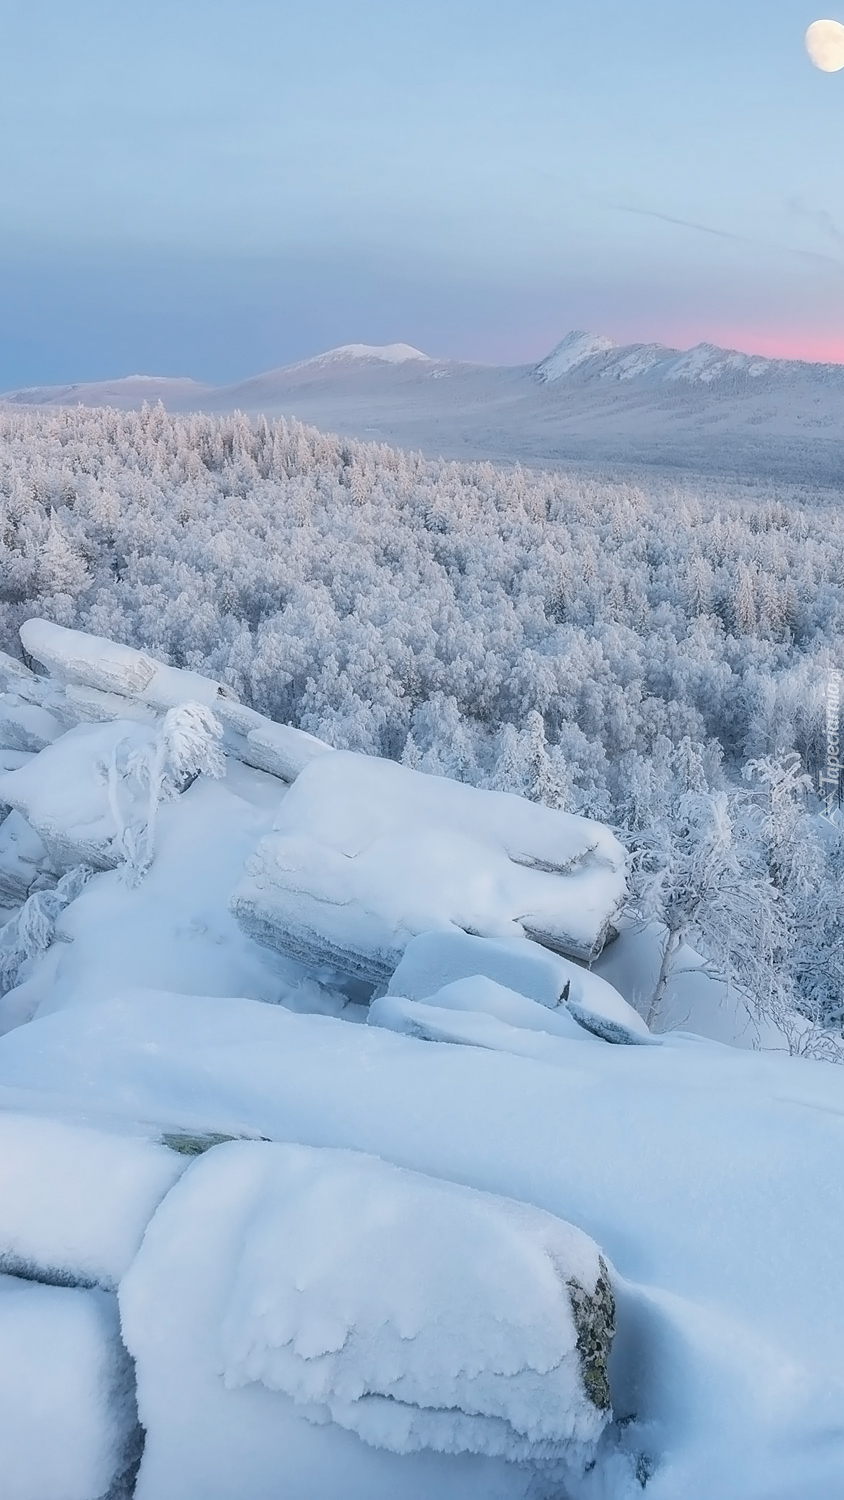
column 819, row 217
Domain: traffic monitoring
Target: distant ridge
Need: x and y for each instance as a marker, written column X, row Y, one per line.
column 590, row 400
column 593, row 357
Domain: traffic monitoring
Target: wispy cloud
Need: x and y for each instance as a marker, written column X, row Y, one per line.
column 819, row 217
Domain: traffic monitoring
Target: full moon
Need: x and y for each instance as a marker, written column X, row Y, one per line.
column 825, row 45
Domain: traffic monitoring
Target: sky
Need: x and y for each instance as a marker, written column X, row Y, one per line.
column 207, row 188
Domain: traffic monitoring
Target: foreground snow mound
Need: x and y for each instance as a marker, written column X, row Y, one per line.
column 703, row 1172
column 417, row 1313
column 74, row 1202
column 414, row 1313
column 434, row 960
column 366, row 854
column 68, row 1421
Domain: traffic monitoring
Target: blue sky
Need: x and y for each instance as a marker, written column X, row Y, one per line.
column 213, row 189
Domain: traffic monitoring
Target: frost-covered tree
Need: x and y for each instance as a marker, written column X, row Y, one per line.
column 187, row 745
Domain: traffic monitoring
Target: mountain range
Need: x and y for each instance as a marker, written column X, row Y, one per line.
column 589, row 401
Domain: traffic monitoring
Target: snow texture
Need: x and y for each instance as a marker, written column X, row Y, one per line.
column 415, row 1313
column 74, row 1201
column 367, row 854
column 68, row 1426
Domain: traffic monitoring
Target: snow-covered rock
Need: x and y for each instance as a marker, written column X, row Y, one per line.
column 68, row 1421
column 75, row 1201
column 479, row 995
column 63, row 793
column 479, row 1013
column 26, row 726
column 73, row 656
column 414, row 1313
column 22, row 858
column 366, row 854
column 94, row 680
column 277, row 749
column 436, row 959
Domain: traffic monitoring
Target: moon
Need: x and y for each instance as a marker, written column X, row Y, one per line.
column 825, row 45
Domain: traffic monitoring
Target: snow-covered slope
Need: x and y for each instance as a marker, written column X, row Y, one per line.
column 482, row 1238
column 127, row 393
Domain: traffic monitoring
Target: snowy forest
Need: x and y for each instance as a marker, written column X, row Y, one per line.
column 651, row 654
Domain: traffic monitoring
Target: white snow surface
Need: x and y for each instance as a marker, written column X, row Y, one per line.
column 571, row 352
column 269, row 1286
column 415, row 1313
column 66, row 1411
column 174, row 931
column 366, row 854
column 93, row 661
column 704, row 1173
column 74, row 1202
column 64, row 794
column 436, row 959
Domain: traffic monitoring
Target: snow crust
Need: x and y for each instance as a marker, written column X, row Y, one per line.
column 367, row 854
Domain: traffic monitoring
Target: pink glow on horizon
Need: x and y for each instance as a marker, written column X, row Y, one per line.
column 818, row 348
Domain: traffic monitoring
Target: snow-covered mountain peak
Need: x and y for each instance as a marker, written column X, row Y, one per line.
column 576, row 347
column 390, row 354
column 592, row 358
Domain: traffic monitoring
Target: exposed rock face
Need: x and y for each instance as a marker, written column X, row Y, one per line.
column 594, row 1317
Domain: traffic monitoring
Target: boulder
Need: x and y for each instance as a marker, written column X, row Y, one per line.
column 366, row 854
column 289, row 1298
column 436, row 959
